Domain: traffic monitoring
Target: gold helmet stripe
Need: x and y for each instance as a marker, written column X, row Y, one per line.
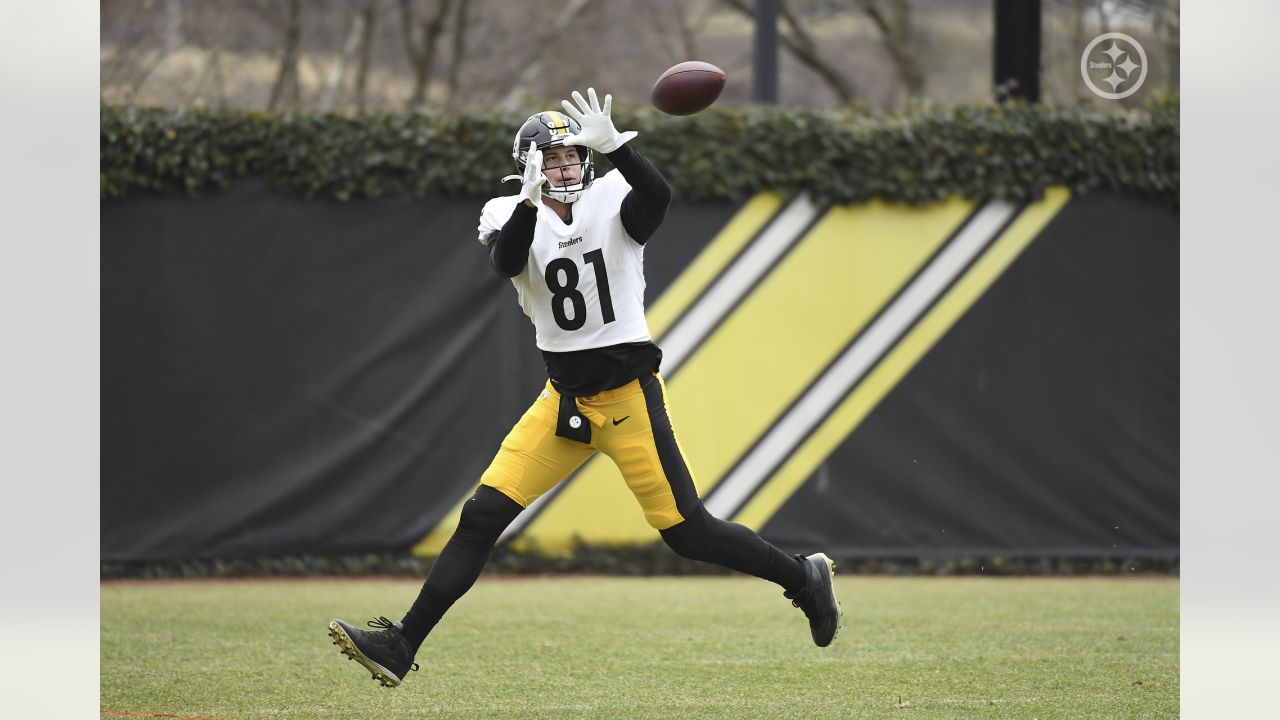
column 559, row 126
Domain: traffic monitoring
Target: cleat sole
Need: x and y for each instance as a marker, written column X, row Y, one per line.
column 348, row 648
column 831, row 570
column 831, row 577
column 840, row 609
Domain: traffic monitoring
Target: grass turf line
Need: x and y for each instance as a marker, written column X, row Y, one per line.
column 653, row 648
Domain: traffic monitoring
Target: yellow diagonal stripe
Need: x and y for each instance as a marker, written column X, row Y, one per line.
column 706, row 267
column 763, row 356
column 904, row 356
column 711, row 262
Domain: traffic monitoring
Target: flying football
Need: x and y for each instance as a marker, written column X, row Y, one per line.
column 687, row 88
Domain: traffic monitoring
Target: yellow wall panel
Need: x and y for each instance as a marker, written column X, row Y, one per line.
column 867, row 394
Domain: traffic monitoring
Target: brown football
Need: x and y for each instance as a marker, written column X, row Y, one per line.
column 687, row 88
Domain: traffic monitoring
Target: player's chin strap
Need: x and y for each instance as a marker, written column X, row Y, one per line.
column 567, row 197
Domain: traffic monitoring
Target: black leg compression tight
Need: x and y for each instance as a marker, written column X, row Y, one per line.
column 703, row 536
column 484, row 517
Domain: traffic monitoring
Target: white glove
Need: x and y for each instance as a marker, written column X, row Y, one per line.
column 598, row 132
column 533, row 178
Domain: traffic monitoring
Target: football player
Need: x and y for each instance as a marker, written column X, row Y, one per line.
column 573, row 246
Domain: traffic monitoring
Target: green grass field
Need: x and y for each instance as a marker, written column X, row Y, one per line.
column 652, row 648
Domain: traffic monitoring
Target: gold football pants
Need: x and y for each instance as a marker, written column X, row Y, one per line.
column 630, row 424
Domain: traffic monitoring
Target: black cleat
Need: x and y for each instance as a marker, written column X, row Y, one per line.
column 386, row 654
column 818, row 598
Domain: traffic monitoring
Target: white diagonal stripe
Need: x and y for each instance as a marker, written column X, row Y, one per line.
column 682, row 338
column 832, row 387
column 679, row 341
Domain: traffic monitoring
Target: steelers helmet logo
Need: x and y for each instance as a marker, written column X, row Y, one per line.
column 575, row 422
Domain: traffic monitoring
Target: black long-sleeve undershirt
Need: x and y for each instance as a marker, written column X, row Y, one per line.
column 645, row 207
column 509, row 247
column 643, row 210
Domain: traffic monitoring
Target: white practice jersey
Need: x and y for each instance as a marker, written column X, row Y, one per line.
column 583, row 286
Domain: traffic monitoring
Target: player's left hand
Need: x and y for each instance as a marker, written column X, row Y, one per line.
column 598, row 132
column 533, row 179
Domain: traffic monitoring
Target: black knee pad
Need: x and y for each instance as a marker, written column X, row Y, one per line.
column 687, row 538
column 488, row 512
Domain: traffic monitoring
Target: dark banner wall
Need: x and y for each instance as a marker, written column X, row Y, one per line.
column 290, row 376
column 285, row 376
column 1045, row 420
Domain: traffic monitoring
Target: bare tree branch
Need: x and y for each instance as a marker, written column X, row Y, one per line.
column 369, row 15
column 211, row 72
column 1166, row 25
column 1078, row 41
column 120, row 69
column 688, row 38
column 339, row 71
column 801, row 44
column 156, row 58
column 657, row 35
column 219, row 79
column 896, row 38
column 687, row 17
column 173, row 36
column 458, row 51
column 422, row 55
column 286, row 89
column 534, row 64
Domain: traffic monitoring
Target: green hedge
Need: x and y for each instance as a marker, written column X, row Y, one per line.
column 1012, row 151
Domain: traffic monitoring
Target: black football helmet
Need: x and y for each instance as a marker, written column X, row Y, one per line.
column 548, row 130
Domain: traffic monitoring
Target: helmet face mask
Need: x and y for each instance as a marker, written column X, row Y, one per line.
column 548, row 130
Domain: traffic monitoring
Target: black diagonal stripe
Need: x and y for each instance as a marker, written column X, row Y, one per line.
column 955, row 233
column 888, row 348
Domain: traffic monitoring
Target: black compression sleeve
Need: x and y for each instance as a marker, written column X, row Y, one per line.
column 509, row 248
column 645, row 207
column 484, row 517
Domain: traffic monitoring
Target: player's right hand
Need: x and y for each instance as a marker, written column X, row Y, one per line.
column 598, row 132
column 533, row 178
